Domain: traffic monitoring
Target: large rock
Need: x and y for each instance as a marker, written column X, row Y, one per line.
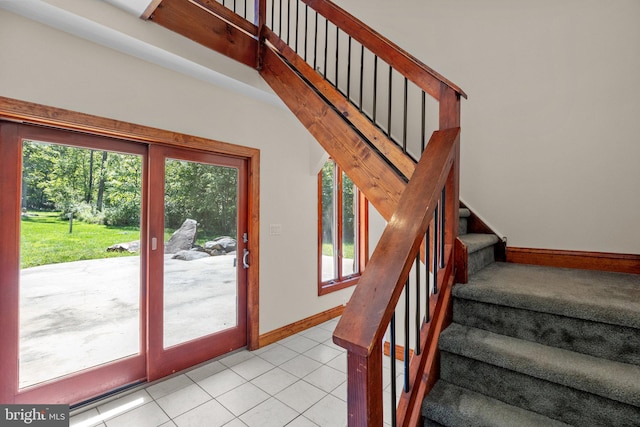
column 132, row 247
column 221, row 245
column 183, row 238
column 190, row 255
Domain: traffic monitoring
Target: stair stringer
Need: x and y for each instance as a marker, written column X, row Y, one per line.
column 379, row 182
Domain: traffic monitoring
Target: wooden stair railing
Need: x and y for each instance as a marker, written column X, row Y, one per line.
column 379, row 156
column 365, row 320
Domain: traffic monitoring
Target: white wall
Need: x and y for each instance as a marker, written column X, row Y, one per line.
column 551, row 129
column 44, row 65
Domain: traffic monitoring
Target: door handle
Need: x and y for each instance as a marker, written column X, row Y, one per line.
column 245, row 258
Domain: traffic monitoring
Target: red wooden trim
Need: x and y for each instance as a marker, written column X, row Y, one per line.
column 412, row 68
column 253, row 274
column 299, row 326
column 31, row 113
column 601, row 261
column 373, row 302
column 10, row 172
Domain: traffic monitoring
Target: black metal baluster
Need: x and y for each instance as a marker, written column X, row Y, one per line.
column 423, row 133
column 288, row 19
column 404, row 124
column 315, row 44
column 375, row 87
column 280, row 21
column 390, row 101
column 436, row 233
column 442, row 225
column 418, row 320
column 406, row 335
column 349, row 69
column 427, row 263
column 361, row 73
column 273, row 13
column 234, row 6
column 297, row 23
column 392, row 361
column 337, row 53
column 326, row 42
column 306, row 29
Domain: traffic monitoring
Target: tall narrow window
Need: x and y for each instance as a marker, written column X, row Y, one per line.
column 342, row 230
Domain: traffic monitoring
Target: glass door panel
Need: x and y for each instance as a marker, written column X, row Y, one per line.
column 201, row 233
column 197, row 274
column 80, row 263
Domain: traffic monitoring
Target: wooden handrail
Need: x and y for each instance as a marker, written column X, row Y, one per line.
column 419, row 73
column 382, row 282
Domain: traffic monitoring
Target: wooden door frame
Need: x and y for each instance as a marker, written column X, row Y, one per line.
column 12, row 110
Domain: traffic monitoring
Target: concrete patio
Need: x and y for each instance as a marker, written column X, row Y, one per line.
column 82, row 314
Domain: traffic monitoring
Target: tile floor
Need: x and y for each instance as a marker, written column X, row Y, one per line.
column 299, row 381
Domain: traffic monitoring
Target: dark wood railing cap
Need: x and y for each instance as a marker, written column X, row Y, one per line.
column 373, row 302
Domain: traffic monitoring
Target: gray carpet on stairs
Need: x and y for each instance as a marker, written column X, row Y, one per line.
column 591, row 295
column 531, row 341
column 453, row 405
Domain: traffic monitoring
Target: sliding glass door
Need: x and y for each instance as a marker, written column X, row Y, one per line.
column 120, row 262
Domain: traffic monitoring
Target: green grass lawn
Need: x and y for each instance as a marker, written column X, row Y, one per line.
column 347, row 249
column 45, row 239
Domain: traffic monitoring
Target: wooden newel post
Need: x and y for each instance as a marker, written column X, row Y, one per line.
column 364, row 389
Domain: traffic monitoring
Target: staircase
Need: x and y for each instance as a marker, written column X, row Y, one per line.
column 480, row 246
column 528, row 346
column 540, row 346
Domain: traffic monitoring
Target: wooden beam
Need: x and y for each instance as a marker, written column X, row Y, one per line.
column 197, row 23
column 389, row 149
column 370, row 173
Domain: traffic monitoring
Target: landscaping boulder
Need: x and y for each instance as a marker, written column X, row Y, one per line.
column 132, row 247
column 183, row 238
column 190, row 255
column 221, row 245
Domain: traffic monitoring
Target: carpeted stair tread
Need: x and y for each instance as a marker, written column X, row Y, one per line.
column 464, row 213
column 452, row 406
column 606, row 340
column 591, row 295
column 609, row 379
column 478, row 241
